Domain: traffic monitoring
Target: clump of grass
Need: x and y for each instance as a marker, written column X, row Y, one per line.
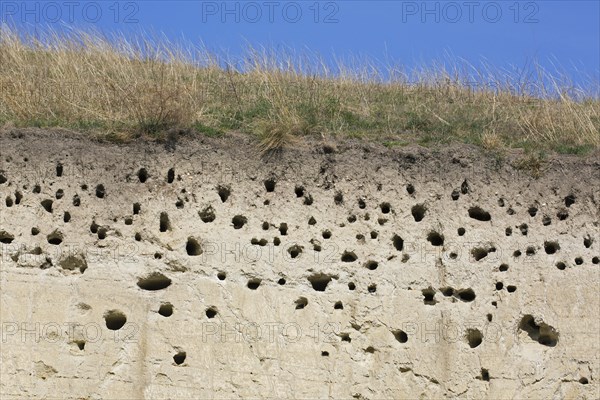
column 208, row 130
column 127, row 88
column 532, row 163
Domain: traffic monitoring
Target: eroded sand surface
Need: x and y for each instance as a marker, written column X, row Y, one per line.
column 197, row 269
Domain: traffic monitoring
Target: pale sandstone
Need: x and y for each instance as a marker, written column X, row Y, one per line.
column 390, row 341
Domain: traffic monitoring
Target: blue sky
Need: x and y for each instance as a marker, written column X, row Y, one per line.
column 507, row 34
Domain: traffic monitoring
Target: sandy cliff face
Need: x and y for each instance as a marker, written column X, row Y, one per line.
column 197, row 269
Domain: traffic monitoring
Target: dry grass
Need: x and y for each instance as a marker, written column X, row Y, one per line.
column 127, row 89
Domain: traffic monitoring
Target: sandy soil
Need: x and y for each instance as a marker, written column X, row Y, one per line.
column 197, row 268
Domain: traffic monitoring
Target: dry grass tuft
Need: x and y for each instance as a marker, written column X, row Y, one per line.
column 130, row 88
column 532, row 163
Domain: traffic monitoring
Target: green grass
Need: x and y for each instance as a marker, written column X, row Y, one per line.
column 580, row 150
column 208, row 131
column 113, row 88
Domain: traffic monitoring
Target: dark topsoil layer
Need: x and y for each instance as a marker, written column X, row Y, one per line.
column 435, row 161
